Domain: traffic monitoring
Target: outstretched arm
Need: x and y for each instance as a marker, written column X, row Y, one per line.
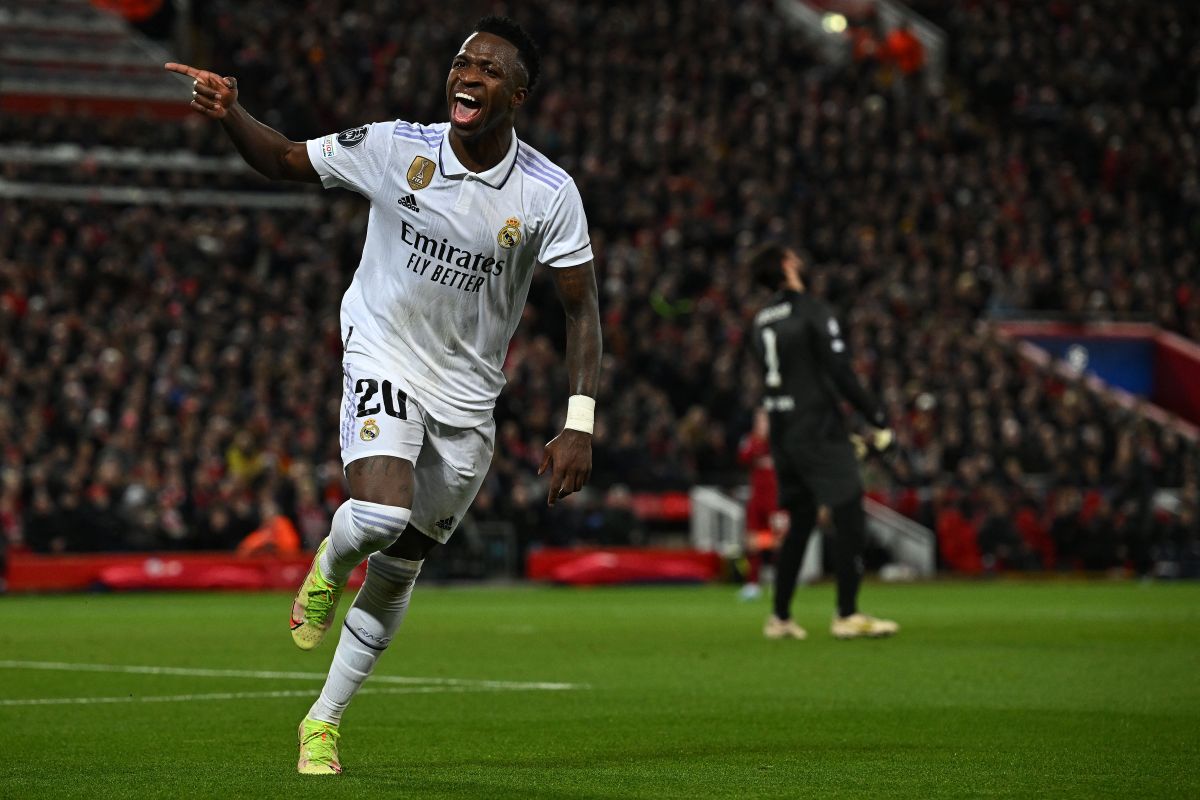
column 266, row 150
column 569, row 455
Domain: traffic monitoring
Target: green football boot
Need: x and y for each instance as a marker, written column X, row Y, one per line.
column 314, row 606
column 318, row 748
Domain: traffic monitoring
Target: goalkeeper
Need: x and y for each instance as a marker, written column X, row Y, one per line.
column 806, row 370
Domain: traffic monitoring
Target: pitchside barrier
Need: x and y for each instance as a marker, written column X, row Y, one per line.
column 34, row 572
column 717, row 523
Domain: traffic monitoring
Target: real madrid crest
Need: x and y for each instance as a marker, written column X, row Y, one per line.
column 510, row 235
column 369, row 431
column 420, row 173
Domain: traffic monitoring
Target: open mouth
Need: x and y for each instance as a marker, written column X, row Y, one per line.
column 466, row 109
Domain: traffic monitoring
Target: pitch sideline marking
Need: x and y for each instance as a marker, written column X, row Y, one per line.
column 186, row 698
column 197, row 672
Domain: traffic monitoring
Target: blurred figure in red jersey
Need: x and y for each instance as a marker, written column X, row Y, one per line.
column 764, row 519
column 905, row 50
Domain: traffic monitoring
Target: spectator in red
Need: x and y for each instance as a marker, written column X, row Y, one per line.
column 762, row 510
column 905, row 50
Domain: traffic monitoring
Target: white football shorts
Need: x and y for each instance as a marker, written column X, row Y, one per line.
column 379, row 419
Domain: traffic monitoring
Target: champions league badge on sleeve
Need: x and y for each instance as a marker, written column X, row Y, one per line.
column 352, row 137
column 510, row 235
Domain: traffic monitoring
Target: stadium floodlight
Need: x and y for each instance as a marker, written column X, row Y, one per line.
column 834, row 23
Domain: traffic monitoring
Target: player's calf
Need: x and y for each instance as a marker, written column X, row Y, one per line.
column 370, row 624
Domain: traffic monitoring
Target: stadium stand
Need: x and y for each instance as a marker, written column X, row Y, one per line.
column 169, row 356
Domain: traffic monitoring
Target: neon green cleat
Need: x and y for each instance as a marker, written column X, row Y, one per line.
column 314, row 606
column 318, row 748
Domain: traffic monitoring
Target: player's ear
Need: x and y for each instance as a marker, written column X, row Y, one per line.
column 518, row 97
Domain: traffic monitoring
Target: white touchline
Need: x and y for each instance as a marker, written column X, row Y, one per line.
column 187, row 698
column 198, row 672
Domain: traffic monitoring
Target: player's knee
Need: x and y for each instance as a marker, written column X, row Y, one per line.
column 412, row 545
column 376, row 524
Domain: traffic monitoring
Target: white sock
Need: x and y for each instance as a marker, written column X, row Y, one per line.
column 370, row 624
column 359, row 529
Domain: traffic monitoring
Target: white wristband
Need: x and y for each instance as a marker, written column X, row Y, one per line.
column 581, row 413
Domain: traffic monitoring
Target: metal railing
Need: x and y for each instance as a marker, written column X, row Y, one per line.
column 718, row 525
column 909, row 542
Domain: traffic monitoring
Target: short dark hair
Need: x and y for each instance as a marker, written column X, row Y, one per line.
column 765, row 264
column 514, row 34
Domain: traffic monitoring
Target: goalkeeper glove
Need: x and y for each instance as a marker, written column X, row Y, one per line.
column 877, row 440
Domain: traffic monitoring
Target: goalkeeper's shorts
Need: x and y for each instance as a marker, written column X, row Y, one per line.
column 824, row 470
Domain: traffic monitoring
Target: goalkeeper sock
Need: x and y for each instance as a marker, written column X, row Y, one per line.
column 850, row 522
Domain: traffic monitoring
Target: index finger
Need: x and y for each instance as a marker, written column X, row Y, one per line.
column 200, row 75
column 182, row 69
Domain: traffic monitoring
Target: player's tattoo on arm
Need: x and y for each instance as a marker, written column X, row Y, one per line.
column 576, row 287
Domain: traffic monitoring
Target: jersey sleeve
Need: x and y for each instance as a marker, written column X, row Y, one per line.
column 354, row 159
column 566, row 242
column 835, row 359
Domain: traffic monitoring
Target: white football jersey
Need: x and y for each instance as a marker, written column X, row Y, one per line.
column 448, row 258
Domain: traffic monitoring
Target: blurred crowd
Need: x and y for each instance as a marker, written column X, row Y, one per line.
column 1093, row 110
column 170, row 376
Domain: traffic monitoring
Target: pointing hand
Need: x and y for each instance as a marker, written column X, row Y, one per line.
column 212, row 95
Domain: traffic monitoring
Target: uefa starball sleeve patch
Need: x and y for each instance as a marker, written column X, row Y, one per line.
column 352, row 137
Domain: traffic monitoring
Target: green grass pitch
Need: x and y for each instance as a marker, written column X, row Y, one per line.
column 991, row 690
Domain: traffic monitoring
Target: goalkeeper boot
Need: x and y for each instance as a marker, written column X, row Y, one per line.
column 318, row 748
column 862, row 626
column 777, row 628
column 314, row 606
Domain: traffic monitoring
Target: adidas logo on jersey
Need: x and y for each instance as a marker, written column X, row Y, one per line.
column 410, row 202
column 445, row 524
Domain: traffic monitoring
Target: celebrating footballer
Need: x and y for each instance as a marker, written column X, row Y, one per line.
column 462, row 212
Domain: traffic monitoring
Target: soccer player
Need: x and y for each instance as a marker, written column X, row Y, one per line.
column 805, row 369
column 461, row 214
